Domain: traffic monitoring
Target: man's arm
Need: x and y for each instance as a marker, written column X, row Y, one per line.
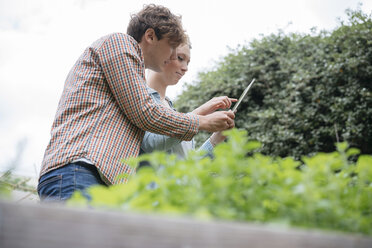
column 124, row 72
column 217, row 121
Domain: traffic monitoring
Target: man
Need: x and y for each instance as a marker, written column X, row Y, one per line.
column 105, row 108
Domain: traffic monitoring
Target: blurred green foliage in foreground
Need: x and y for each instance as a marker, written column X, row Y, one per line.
column 327, row 191
column 10, row 182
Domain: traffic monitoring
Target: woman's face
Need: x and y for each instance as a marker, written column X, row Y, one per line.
column 175, row 69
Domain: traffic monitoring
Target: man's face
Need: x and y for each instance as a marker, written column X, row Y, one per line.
column 162, row 53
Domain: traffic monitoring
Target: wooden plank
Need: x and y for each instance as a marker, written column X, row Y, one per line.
column 35, row 225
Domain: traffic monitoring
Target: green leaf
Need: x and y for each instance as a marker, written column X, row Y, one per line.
column 352, row 152
column 341, row 147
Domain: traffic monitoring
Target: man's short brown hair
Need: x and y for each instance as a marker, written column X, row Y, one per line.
column 159, row 18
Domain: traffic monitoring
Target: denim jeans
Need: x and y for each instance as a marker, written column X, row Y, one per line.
column 58, row 185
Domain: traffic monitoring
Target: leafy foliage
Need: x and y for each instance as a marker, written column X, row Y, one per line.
column 324, row 191
column 312, row 90
column 10, row 182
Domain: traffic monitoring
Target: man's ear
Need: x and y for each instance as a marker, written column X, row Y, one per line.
column 150, row 36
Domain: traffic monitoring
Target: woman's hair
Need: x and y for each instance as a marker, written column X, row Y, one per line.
column 187, row 41
column 159, row 18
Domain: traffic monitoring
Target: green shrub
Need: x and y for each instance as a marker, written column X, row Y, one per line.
column 312, row 90
column 324, row 191
column 10, row 182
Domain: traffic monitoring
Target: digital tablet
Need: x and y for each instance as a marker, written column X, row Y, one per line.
column 243, row 95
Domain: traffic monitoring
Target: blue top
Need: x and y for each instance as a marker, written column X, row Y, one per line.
column 159, row 142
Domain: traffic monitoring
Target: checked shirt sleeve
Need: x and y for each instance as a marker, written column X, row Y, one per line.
column 124, row 70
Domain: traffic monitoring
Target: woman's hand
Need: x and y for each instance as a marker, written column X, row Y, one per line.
column 217, row 138
column 221, row 102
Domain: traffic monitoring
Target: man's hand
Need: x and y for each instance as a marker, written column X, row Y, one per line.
column 221, row 102
column 217, row 121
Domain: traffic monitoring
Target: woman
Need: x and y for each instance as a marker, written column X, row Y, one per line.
column 158, row 83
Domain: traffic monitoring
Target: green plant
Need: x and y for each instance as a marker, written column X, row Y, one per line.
column 10, row 182
column 5, row 190
column 312, row 90
column 323, row 191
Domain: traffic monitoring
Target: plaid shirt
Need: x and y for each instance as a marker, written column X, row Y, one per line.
column 105, row 108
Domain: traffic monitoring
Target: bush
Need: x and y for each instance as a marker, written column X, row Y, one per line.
column 324, row 191
column 312, row 90
column 10, row 182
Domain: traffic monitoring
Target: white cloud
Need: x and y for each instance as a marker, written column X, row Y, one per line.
column 40, row 41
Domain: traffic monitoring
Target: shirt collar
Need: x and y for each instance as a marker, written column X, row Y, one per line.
column 137, row 47
column 154, row 92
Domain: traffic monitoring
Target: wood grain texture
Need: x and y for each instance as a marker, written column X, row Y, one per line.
column 42, row 226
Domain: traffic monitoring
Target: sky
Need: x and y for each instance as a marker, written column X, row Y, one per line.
column 40, row 40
